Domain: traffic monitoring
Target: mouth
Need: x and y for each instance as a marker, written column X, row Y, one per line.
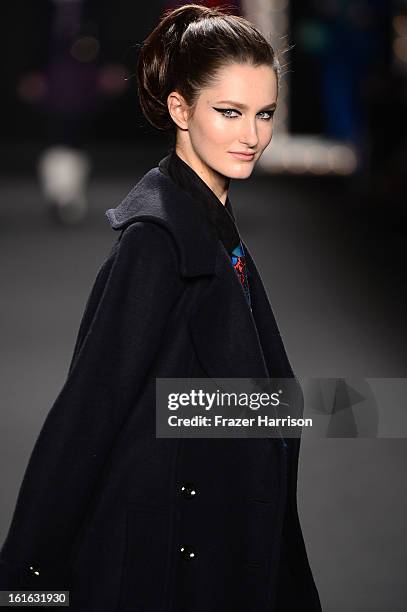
column 242, row 156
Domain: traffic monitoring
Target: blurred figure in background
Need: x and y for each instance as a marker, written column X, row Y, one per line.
column 348, row 39
column 69, row 90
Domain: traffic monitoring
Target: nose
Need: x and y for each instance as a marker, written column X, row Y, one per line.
column 248, row 135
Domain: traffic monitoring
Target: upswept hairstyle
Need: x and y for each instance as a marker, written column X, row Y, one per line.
column 184, row 52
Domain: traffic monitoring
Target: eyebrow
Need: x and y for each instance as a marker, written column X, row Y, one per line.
column 243, row 106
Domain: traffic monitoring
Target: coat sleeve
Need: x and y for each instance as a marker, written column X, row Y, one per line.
column 117, row 342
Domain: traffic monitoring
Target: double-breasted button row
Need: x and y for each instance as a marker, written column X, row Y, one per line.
column 188, row 552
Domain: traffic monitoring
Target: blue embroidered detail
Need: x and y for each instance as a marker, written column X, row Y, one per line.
column 239, row 263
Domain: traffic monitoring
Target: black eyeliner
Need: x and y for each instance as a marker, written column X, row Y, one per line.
column 235, row 110
column 222, row 110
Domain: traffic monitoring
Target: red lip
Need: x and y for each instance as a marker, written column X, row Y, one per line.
column 242, row 153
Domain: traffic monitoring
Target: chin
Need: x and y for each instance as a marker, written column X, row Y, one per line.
column 241, row 173
column 235, row 170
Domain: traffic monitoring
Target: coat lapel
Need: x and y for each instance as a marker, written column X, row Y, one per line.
column 223, row 328
column 226, row 337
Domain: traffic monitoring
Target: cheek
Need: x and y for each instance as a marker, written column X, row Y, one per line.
column 213, row 130
column 266, row 135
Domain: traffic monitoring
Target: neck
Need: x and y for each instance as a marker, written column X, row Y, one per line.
column 218, row 183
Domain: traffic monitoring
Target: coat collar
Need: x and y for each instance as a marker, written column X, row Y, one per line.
column 158, row 199
column 220, row 215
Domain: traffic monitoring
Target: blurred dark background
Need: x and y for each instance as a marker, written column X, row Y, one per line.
column 329, row 238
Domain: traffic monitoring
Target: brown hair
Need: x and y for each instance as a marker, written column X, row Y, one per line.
column 184, row 52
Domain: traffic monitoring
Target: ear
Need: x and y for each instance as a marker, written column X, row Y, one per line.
column 178, row 109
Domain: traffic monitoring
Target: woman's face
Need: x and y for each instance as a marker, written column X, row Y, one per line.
column 234, row 116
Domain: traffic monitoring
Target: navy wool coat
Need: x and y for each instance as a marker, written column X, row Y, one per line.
column 105, row 509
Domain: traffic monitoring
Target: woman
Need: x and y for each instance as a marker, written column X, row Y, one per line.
column 123, row 519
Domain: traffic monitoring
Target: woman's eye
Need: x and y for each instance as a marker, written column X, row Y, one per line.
column 226, row 112
column 268, row 113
